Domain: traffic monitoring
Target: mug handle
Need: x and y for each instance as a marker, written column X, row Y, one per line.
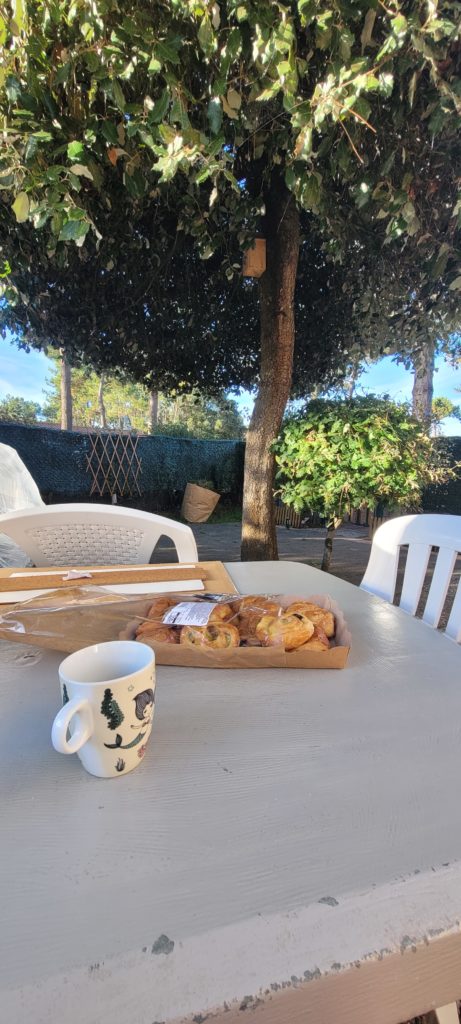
column 62, row 722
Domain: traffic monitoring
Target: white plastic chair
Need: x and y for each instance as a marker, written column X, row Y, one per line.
column 421, row 533
column 18, row 490
column 87, row 534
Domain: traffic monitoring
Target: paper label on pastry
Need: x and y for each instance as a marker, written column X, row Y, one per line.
column 189, row 613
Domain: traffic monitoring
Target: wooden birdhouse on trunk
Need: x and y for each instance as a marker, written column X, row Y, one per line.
column 254, row 259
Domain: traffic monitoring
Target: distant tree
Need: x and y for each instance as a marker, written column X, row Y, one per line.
column 441, row 409
column 338, row 455
column 14, row 409
column 105, row 400
column 98, row 401
column 196, row 415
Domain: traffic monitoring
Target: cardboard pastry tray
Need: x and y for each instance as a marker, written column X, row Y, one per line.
column 257, row 657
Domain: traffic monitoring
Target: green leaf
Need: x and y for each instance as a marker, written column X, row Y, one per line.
column 310, row 194
column 159, row 109
column 455, row 285
column 62, row 74
column 307, row 10
column 362, row 107
column 154, row 65
column 19, row 15
column 215, row 146
column 269, row 92
column 205, row 34
column 346, row 40
column 92, row 60
column 386, row 83
column 87, row 31
column 42, row 136
column 21, row 207
column 399, row 25
column 214, row 112
column 12, row 88
column 234, row 43
column 109, row 131
column 75, row 150
column 290, row 178
column 303, row 147
column 118, row 94
column 56, row 223
column 167, row 52
column 73, row 230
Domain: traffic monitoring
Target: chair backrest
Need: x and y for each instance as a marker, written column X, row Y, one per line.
column 421, row 533
column 87, row 534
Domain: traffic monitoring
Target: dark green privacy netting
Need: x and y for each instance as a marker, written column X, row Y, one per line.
column 58, row 459
column 58, row 462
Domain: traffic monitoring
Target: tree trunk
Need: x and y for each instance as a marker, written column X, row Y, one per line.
column 153, row 411
column 328, row 549
column 423, row 384
column 277, row 286
column 102, row 408
column 66, row 393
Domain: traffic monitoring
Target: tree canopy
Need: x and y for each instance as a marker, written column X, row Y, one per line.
column 186, row 324
column 220, row 119
column 344, row 99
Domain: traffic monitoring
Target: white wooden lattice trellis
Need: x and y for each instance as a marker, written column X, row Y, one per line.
column 114, row 464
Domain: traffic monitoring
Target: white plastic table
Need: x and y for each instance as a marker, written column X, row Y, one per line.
column 288, row 850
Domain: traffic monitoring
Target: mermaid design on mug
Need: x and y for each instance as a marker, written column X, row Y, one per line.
column 144, row 711
column 144, row 707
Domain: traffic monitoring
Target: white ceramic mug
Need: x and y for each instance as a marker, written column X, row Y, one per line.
column 108, row 694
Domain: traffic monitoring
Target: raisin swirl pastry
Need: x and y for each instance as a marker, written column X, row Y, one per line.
column 319, row 616
column 288, row 631
column 217, row 637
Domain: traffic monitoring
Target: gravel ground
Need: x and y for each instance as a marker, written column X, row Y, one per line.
column 221, row 541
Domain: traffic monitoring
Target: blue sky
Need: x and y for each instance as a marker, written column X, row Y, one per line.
column 24, row 373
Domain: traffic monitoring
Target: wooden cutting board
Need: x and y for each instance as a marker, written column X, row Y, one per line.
column 213, row 577
column 53, row 578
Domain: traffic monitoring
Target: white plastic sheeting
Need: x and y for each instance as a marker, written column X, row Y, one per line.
column 17, row 490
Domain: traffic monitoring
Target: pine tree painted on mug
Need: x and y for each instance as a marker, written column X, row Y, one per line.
column 111, row 710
